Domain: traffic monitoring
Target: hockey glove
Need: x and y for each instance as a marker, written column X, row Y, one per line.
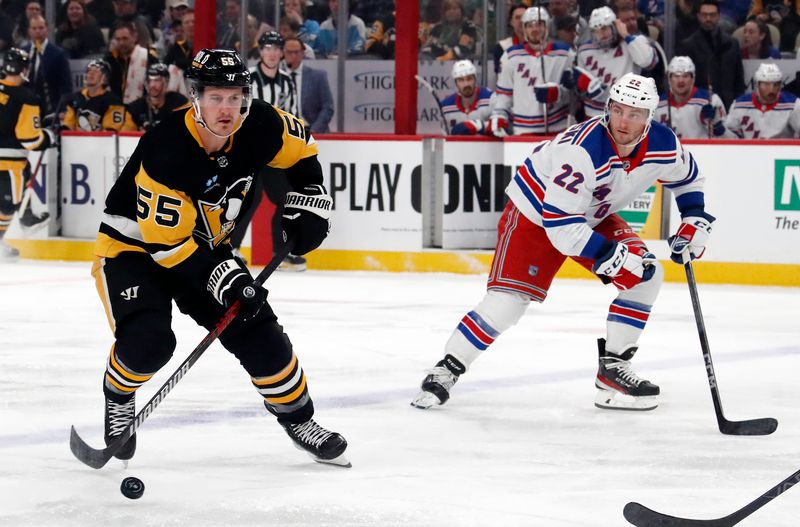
column 626, row 266
column 586, row 83
column 305, row 218
column 546, row 93
column 719, row 129
column 467, row 128
column 691, row 237
column 498, row 126
column 229, row 282
column 707, row 113
column 567, row 79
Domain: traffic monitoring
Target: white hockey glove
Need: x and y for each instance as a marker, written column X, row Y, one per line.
column 691, row 238
column 498, row 126
column 626, row 266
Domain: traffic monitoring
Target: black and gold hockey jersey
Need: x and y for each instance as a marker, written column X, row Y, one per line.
column 104, row 111
column 20, row 126
column 179, row 204
column 146, row 116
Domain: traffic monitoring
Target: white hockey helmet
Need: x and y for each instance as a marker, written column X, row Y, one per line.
column 535, row 14
column 636, row 91
column 681, row 64
column 601, row 17
column 768, row 72
column 463, row 68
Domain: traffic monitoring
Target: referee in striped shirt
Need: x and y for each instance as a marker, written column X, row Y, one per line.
column 273, row 85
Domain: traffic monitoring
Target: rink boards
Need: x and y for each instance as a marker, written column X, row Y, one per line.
column 412, row 203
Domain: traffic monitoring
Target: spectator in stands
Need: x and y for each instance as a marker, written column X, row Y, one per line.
column 767, row 112
column 566, row 30
column 6, row 31
column 562, row 8
column 170, row 21
column 126, row 11
column 308, row 29
column 652, row 11
column 79, row 33
column 328, row 38
column 468, row 111
column 381, row 38
column 517, row 33
column 180, row 53
column 288, row 28
column 454, row 38
column 627, row 14
column 715, row 54
column 20, row 35
column 48, row 76
column 95, row 108
column 685, row 19
column 228, row 24
column 251, row 39
column 783, row 14
column 757, row 42
column 151, row 109
column 315, row 102
column 690, row 111
column 129, row 62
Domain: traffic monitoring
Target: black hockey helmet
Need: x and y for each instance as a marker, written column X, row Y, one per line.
column 159, row 69
column 220, row 68
column 15, row 62
column 101, row 65
column 270, row 38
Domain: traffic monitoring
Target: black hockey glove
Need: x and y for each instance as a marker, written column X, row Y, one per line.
column 229, row 282
column 305, row 217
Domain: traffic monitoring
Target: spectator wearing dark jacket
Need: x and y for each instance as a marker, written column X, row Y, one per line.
column 48, row 76
column 716, row 55
column 79, row 34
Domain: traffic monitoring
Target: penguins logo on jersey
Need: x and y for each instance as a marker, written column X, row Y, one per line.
column 219, row 217
column 89, row 121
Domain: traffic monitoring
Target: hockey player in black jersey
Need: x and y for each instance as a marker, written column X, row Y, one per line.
column 157, row 102
column 164, row 237
column 20, row 132
column 95, row 107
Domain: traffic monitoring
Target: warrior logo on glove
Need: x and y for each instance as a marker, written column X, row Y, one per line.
column 305, row 217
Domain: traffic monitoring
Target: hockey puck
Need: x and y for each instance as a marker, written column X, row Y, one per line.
column 132, row 488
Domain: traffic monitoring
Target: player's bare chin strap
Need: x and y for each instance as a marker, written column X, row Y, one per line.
column 498, row 311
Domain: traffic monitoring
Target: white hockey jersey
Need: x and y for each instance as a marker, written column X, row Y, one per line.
column 633, row 54
column 684, row 118
column 749, row 119
column 454, row 111
column 570, row 184
column 521, row 69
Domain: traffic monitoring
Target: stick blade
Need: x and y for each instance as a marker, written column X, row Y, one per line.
column 639, row 515
column 86, row 454
column 751, row 427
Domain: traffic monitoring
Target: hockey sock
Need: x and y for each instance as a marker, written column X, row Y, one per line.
column 478, row 329
column 121, row 382
column 285, row 393
column 628, row 313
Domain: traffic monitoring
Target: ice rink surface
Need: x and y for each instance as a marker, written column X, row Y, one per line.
column 519, row 443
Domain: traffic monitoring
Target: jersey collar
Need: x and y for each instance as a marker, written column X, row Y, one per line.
column 191, row 126
column 762, row 107
column 473, row 106
column 636, row 157
column 536, row 53
column 675, row 104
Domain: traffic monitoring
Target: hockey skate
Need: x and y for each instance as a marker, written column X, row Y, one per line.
column 437, row 384
column 322, row 445
column 293, row 263
column 117, row 418
column 8, row 253
column 30, row 223
column 618, row 386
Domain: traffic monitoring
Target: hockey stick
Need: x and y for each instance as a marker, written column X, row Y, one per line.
column 428, row 86
column 40, row 221
column 97, row 458
column 641, row 516
column 751, row 427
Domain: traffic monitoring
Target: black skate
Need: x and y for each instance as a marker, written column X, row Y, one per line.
column 619, row 388
column 322, row 445
column 293, row 263
column 32, row 223
column 437, row 384
column 118, row 417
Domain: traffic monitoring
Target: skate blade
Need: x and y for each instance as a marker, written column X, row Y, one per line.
column 613, row 400
column 339, row 461
column 425, row 400
column 291, row 268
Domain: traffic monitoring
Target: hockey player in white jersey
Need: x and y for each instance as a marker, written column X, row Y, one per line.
column 767, row 112
column 690, row 111
column 467, row 111
column 563, row 204
column 612, row 53
column 530, row 97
